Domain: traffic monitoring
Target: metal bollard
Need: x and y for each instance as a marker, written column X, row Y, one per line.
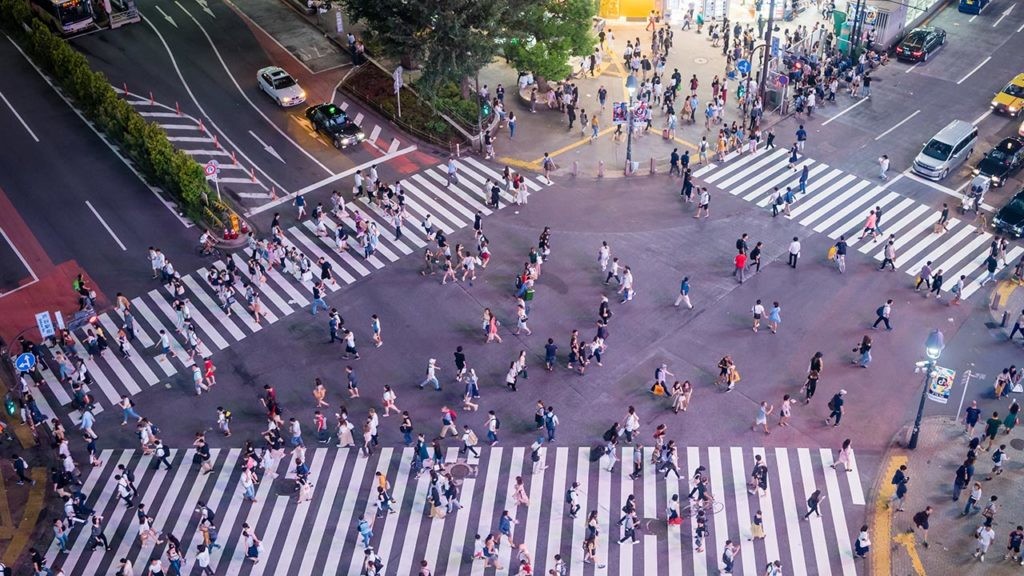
column 458, row 150
column 575, row 168
column 600, row 169
column 654, row 168
column 1006, row 318
column 629, row 167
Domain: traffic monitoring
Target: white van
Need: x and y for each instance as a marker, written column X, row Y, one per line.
column 947, row 150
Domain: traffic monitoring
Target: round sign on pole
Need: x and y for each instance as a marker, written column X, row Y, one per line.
column 211, row 168
column 743, row 66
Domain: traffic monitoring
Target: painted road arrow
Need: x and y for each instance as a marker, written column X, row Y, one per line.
column 270, row 149
column 166, row 17
column 206, row 7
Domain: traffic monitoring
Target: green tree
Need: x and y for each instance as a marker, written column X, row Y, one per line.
column 447, row 39
column 544, row 34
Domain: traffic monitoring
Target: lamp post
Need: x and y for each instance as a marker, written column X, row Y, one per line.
column 933, row 349
column 767, row 51
column 631, row 86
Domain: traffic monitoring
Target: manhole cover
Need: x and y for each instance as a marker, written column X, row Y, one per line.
column 461, row 470
column 1017, row 443
column 701, row 60
column 654, row 526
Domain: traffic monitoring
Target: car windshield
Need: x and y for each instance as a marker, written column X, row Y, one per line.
column 1015, row 207
column 283, row 82
column 335, row 121
column 73, row 12
column 915, row 40
column 937, row 150
column 1014, row 90
column 998, row 155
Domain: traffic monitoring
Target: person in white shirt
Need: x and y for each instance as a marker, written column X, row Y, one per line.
column 794, row 252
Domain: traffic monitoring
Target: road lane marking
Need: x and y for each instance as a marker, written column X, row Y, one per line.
column 881, row 556
column 1005, row 14
column 105, row 225
column 845, row 110
column 897, row 125
column 907, row 71
column 20, row 257
column 976, row 68
column 246, row 97
column 982, row 117
column 18, row 116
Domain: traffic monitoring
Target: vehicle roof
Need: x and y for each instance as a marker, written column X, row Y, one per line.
column 1010, row 144
column 274, row 71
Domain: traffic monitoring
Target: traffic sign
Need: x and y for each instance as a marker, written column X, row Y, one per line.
column 25, row 362
column 45, row 324
column 212, row 168
column 743, row 66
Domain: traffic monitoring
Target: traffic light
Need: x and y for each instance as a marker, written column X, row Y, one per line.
column 10, row 405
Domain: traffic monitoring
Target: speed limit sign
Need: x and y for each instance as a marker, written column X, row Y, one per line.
column 211, row 168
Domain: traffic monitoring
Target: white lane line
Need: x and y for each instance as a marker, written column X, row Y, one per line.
column 189, row 139
column 771, row 529
column 327, row 500
column 626, row 550
column 202, row 110
column 1005, row 14
column 135, row 359
column 838, row 514
column 982, row 117
column 786, row 488
column 374, row 134
column 700, row 559
column 821, row 548
column 505, row 552
column 743, row 516
column 578, row 527
column 893, row 180
column 18, row 116
column 556, row 505
column 907, row 71
column 845, row 110
column 973, row 18
column 897, row 125
column 976, row 68
column 721, row 521
column 329, row 180
column 486, row 524
column 105, row 225
column 20, row 257
column 1020, row 28
column 856, row 491
column 394, row 145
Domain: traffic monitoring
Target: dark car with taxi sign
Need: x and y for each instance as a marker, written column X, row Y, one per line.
column 1002, row 161
column 332, row 121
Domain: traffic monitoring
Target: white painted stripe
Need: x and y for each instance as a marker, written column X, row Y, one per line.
column 884, row 202
column 184, row 512
column 930, row 239
column 105, row 225
column 265, row 289
column 385, row 236
column 343, row 106
column 604, row 511
column 411, row 233
column 44, row 406
column 556, row 505
column 771, row 529
column 909, row 235
column 436, row 530
column 298, row 516
column 264, row 494
column 852, row 227
column 189, row 139
column 823, row 201
column 457, row 549
column 101, row 380
column 650, row 500
column 179, row 127
column 344, row 523
column 897, row 125
column 816, row 183
column 383, row 461
column 161, row 514
column 744, row 516
column 744, row 162
column 851, row 200
column 505, row 552
column 838, row 514
column 163, row 361
column 948, row 243
column 175, row 338
column 296, row 296
column 374, row 134
column 765, row 190
column 976, row 68
column 579, row 523
column 755, row 172
column 675, row 535
column 704, row 170
column 856, row 491
column 844, row 111
column 821, row 549
column 1011, row 257
column 359, row 118
column 206, row 153
column 394, row 145
column 436, row 209
column 228, row 510
column 92, row 565
column 481, row 180
column 496, row 175
column 269, row 536
column 490, row 491
column 112, row 360
column 798, row 563
column 443, row 195
column 198, row 292
column 338, row 270
column 18, row 116
column 537, row 503
column 78, row 543
column 56, row 387
column 914, row 215
column 332, row 481
column 466, row 197
column 153, row 114
column 700, row 559
column 374, row 259
column 721, row 520
column 970, row 269
column 134, row 358
column 140, row 333
column 970, row 249
column 626, row 549
column 232, row 180
column 418, row 213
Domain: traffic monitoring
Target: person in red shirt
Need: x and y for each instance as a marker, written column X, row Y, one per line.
column 208, row 372
column 741, row 265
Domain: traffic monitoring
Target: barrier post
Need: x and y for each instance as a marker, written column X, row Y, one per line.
column 575, row 168
column 654, row 168
column 600, row 168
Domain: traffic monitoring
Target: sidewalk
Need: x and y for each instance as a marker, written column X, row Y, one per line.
column 896, row 550
column 547, row 130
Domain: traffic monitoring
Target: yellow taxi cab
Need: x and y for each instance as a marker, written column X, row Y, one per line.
column 1010, row 99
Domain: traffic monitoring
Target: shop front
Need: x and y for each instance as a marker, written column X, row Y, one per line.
column 885, row 22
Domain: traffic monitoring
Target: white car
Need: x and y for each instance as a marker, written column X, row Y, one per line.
column 280, row 86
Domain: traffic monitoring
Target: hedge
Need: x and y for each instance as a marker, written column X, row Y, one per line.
column 145, row 143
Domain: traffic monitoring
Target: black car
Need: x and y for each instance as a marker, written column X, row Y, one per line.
column 333, row 122
column 919, row 45
column 1002, row 161
column 1010, row 218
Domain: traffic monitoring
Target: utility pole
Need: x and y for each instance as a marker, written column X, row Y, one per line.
column 767, row 52
column 856, row 27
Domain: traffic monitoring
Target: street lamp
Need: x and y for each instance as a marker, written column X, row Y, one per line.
column 933, row 349
column 631, row 86
column 767, row 52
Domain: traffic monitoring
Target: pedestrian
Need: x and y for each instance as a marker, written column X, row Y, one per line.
column 729, row 554
column 958, row 290
column 638, row 461
column 801, row 137
column 1018, row 326
column 505, row 524
column 684, row 296
column 550, row 422
column 703, row 203
column 349, row 338
column 786, row 410
column 757, row 527
column 813, row 501
column 883, row 167
column 862, row 545
column 739, row 266
column 774, row 317
column 991, row 429
column 1016, row 538
column 845, row 453
column 889, row 255
column 803, row 179
column 794, row 252
column 985, row 536
column 921, row 522
column 763, row 411
column 973, row 499
column 757, row 311
column 493, row 425
column 883, row 313
column 837, row 409
column 431, row 376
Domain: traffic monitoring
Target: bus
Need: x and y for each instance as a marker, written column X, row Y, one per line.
column 972, row 6
column 65, row 16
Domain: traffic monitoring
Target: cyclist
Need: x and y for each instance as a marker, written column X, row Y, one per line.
column 207, row 243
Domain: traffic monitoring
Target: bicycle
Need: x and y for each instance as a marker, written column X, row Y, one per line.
column 709, row 504
column 213, row 252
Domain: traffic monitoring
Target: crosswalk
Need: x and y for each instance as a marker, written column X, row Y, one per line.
column 320, row 537
column 451, row 208
column 837, row 203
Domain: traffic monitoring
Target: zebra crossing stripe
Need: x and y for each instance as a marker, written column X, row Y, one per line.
column 298, row 516
column 413, row 207
column 228, row 509
column 650, row 550
column 482, row 180
column 532, row 528
column 327, row 499
column 436, row 208
column 604, row 513
column 236, row 557
column 147, row 314
column 420, row 508
column 771, row 540
column 457, row 554
column 140, row 332
column 721, row 521
column 818, row 204
column 207, row 302
column 533, row 186
column 513, row 509
column 762, row 166
column 816, row 524
column 856, row 198
column 411, row 234
column 820, row 196
column 114, row 518
column 485, row 525
column 175, row 337
column 851, row 227
column 345, row 520
column 578, row 524
column 762, row 193
column 798, row 564
column 443, row 198
column 742, row 162
column 55, row 386
column 264, row 289
column 556, row 504
column 77, row 543
column 674, row 534
column 436, row 530
column 941, row 249
column 466, row 197
column 398, row 491
column 101, row 380
column 135, row 359
column 338, row 270
column 838, row 514
column 240, row 313
column 627, row 551
column 931, row 239
column 700, row 559
column 743, row 514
